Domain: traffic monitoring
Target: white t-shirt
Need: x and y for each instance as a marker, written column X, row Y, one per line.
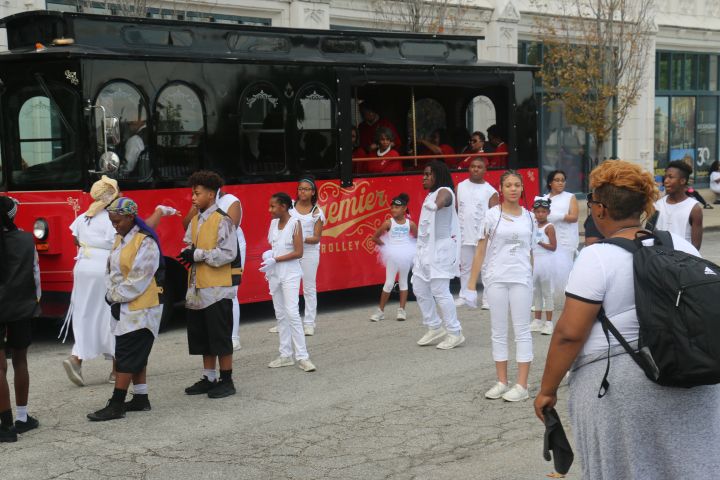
column 224, row 203
column 603, row 274
column 94, row 232
column 714, row 184
column 308, row 221
column 473, row 199
column 675, row 217
column 510, row 239
column 399, row 233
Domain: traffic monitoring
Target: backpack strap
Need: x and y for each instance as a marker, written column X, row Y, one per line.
column 609, row 328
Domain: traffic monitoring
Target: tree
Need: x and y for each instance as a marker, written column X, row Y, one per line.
column 594, row 61
column 428, row 16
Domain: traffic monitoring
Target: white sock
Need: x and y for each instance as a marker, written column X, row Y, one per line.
column 21, row 414
column 210, row 373
column 140, row 389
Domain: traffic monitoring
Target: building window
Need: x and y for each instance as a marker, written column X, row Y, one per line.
column 262, row 129
column 663, row 71
column 682, row 129
column 180, row 131
column 707, row 129
column 662, row 118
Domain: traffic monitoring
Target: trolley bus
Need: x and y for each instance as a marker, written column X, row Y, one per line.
column 259, row 105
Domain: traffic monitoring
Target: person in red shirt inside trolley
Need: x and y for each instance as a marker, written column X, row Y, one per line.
column 476, row 144
column 357, row 152
column 389, row 163
column 499, row 146
column 368, row 128
column 439, row 144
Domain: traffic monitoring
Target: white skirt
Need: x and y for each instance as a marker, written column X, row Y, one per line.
column 400, row 255
column 89, row 314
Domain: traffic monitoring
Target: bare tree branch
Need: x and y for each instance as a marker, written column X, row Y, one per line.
column 431, row 16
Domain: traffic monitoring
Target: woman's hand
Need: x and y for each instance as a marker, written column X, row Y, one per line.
column 543, row 401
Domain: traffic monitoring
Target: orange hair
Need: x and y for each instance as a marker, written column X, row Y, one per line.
column 624, row 188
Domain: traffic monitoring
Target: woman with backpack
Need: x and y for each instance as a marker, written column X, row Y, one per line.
column 633, row 428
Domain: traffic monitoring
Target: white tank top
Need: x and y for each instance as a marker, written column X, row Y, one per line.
column 281, row 242
column 566, row 232
column 541, row 236
column 308, row 221
column 675, row 217
column 224, row 203
column 399, row 234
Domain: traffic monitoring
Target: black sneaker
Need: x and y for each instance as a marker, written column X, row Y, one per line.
column 200, row 387
column 112, row 411
column 139, row 403
column 8, row 435
column 30, row 424
column 222, row 389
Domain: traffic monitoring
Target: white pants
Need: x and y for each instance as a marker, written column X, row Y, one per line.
column 391, row 271
column 543, row 283
column 285, row 300
column 309, row 264
column 517, row 298
column 236, row 304
column 467, row 254
column 563, row 259
column 433, row 297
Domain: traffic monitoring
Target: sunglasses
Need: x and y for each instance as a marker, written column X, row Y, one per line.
column 591, row 202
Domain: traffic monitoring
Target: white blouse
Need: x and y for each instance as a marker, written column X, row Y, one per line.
column 509, row 247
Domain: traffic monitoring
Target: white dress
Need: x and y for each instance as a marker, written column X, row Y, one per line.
column 567, row 242
column 89, row 313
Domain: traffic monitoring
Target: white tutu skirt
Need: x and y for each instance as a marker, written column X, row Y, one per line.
column 400, row 255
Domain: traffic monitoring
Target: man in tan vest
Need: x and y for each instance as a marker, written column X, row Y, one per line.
column 211, row 255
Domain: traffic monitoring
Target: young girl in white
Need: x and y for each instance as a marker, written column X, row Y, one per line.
column 505, row 254
column 312, row 219
column 281, row 266
column 544, row 246
column 395, row 239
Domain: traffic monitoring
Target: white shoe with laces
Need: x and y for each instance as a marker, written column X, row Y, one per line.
column 309, row 330
column 459, row 302
column 536, row 325
column 377, row 316
column 306, row 365
column 451, row 341
column 547, row 329
column 497, row 391
column 236, row 344
column 485, row 306
column 431, row 335
column 281, row 362
column 401, row 315
column 273, row 329
column 516, row 394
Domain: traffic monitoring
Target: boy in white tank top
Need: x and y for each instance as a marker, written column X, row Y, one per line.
column 678, row 213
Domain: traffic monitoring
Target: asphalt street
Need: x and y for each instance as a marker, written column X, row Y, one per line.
column 378, row 407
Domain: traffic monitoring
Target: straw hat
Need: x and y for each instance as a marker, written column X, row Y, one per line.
column 104, row 191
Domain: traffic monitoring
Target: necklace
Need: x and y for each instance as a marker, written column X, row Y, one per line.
column 623, row 229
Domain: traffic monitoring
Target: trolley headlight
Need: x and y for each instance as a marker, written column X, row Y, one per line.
column 41, row 229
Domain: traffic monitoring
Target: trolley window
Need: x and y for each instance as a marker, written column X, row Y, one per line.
column 180, row 130
column 317, row 140
column 262, row 130
column 125, row 111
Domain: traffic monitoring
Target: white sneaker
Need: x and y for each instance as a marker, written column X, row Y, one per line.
column 536, row 325
column 377, row 316
column 451, row 341
column 497, row 391
column 281, row 362
column 485, row 306
column 308, row 330
column 401, row 315
column 236, row 344
column 273, row 329
column 306, row 365
column 459, row 302
column 431, row 336
column 516, row 394
column 547, row 329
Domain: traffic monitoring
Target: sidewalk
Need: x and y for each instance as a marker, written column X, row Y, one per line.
column 711, row 218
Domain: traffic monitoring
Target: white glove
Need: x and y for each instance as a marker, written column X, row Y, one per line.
column 267, row 265
column 199, row 255
column 432, row 206
column 470, row 297
column 267, row 254
column 166, row 211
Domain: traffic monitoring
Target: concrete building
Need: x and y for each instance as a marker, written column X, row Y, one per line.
column 676, row 118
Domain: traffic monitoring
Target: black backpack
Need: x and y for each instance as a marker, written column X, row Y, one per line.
column 677, row 299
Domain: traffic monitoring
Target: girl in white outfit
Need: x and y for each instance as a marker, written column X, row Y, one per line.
column 395, row 239
column 89, row 314
column 505, row 254
column 281, row 266
column 312, row 219
column 475, row 197
column 437, row 259
column 231, row 205
column 564, row 216
column 543, row 249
